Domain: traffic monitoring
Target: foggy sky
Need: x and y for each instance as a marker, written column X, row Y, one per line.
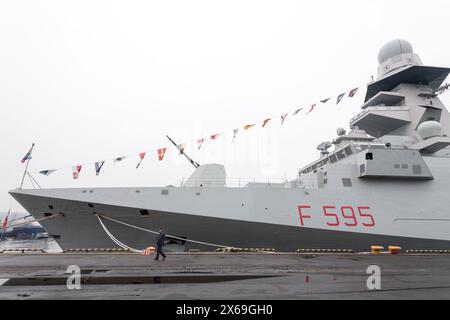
column 93, row 80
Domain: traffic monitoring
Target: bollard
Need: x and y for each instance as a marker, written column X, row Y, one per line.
column 377, row 249
column 394, row 249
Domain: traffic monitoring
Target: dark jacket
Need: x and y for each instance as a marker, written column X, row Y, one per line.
column 161, row 239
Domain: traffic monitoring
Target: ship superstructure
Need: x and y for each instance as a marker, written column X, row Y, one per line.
column 384, row 182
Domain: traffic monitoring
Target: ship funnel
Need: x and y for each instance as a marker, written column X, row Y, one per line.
column 396, row 54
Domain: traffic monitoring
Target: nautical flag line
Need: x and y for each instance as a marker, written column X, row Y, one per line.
column 265, row 122
column 46, row 172
column 76, row 172
column 235, row 133
column 283, row 118
column 5, row 223
column 200, row 143
column 312, row 109
column 141, row 157
column 161, row 152
column 214, row 136
column 352, row 93
column 120, row 159
column 98, row 167
column 339, row 98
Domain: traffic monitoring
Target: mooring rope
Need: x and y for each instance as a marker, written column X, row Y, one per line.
column 153, row 232
column 115, row 240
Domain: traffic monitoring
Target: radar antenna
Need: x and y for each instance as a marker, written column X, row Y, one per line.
column 323, row 147
column 194, row 163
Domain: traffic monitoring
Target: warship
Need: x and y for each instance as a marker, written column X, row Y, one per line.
column 384, row 182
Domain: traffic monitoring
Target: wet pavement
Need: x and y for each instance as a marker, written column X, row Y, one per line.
column 226, row 276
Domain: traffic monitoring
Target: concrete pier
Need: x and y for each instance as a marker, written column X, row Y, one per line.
column 267, row 276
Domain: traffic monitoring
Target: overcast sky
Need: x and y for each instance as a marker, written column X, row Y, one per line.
column 93, row 80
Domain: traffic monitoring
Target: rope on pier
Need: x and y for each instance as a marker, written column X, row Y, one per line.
column 114, row 239
column 122, row 245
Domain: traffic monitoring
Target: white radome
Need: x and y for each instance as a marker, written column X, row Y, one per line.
column 430, row 129
column 394, row 48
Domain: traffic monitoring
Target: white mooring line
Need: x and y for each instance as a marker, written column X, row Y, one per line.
column 3, row 281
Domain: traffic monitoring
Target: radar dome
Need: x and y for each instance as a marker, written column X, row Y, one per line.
column 394, row 48
column 429, row 129
column 341, row 132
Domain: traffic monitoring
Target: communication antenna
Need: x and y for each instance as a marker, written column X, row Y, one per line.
column 442, row 89
column 194, row 163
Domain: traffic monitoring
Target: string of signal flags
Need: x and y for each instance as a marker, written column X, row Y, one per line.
column 161, row 152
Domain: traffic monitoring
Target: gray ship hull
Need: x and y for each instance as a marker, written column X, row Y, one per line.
column 385, row 183
column 79, row 228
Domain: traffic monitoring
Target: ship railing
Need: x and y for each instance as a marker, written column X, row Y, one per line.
column 237, row 182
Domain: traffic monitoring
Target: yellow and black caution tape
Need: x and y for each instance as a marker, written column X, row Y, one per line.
column 335, row 251
column 245, row 250
column 428, row 251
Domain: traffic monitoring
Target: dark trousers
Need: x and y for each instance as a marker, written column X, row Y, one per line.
column 159, row 252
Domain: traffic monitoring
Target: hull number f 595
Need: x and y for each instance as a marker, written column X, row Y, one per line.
column 347, row 216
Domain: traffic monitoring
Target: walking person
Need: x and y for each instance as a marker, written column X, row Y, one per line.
column 159, row 244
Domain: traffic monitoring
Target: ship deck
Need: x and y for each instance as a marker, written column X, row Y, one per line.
column 189, row 276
